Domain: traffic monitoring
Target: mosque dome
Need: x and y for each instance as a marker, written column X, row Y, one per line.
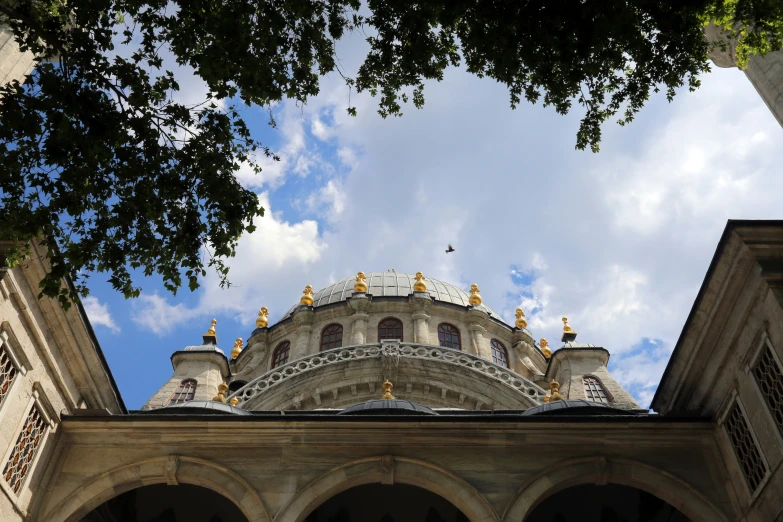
column 392, row 284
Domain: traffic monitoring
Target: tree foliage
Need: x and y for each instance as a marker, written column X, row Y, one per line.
column 100, row 159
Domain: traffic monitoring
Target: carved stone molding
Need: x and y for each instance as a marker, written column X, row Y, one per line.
column 390, row 354
column 170, row 470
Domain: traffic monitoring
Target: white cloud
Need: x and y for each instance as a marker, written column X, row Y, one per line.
column 98, row 313
column 329, row 199
column 154, row 313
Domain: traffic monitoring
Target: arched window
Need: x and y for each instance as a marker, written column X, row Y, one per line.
column 390, row 328
column 448, row 336
column 184, row 392
column 594, row 390
column 331, row 337
column 281, row 353
column 499, row 353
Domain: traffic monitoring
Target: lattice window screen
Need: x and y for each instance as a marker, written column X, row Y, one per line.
column 27, row 444
column 7, row 372
column 747, row 453
column 593, row 390
column 770, row 380
column 185, row 392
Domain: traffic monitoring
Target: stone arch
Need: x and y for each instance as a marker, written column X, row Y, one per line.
column 388, row 470
column 602, row 470
column 173, row 470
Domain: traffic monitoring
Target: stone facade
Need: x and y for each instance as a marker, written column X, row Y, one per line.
column 14, row 64
column 713, row 452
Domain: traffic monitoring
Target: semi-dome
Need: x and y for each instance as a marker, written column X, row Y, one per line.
column 198, row 407
column 392, row 284
column 387, row 407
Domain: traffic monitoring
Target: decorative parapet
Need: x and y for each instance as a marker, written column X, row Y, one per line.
column 390, row 354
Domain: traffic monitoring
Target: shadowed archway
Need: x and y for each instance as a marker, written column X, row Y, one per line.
column 164, row 503
column 386, row 503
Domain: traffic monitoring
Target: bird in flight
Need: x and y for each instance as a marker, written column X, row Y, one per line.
column 450, row 249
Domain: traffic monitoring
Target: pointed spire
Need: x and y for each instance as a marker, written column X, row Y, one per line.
column 211, row 336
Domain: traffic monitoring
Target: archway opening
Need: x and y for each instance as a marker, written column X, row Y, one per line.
column 164, row 503
column 386, row 503
column 609, row 503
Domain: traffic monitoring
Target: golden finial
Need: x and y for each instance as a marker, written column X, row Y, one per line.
column 233, row 401
column 520, row 322
column 547, row 398
column 555, row 387
column 263, row 317
column 544, row 345
column 566, row 328
column 210, row 336
column 387, row 388
column 221, row 395
column 419, row 285
column 361, row 283
column 568, row 334
column 475, row 298
column 307, row 298
column 237, row 348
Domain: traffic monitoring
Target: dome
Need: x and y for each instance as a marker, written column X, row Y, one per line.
column 390, row 284
column 198, row 407
column 575, row 407
column 387, row 407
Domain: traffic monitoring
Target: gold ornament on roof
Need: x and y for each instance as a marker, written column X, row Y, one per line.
column 554, row 386
column 475, row 298
column 566, row 328
column 547, row 398
column 387, row 388
column 307, row 298
column 221, row 395
column 237, row 348
column 361, row 283
column 419, row 285
column 234, row 401
column 544, row 345
column 210, row 336
column 263, row 317
column 520, row 322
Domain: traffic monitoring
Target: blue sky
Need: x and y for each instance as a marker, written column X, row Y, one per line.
column 618, row 241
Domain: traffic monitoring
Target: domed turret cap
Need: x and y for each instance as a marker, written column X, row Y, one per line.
column 387, row 407
column 575, row 407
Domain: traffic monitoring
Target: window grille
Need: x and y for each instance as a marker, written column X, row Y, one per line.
column 7, row 372
column 331, row 337
column 449, row 337
column 24, row 451
column 185, row 392
column 390, row 328
column 770, row 380
column 594, row 390
column 281, row 354
column 748, row 456
column 499, row 353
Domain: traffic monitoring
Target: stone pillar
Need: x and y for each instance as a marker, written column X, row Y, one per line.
column 14, row 64
column 303, row 318
column 254, row 355
column 359, row 302
column 764, row 72
column 479, row 345
column 421, row 302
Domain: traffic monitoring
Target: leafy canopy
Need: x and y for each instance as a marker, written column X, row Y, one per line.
column 100, row 159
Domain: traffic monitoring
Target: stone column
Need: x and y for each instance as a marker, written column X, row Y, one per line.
column 421, row 302
column 764, row 72
column 476, row 320
column 303, row 318
column 359, row 302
